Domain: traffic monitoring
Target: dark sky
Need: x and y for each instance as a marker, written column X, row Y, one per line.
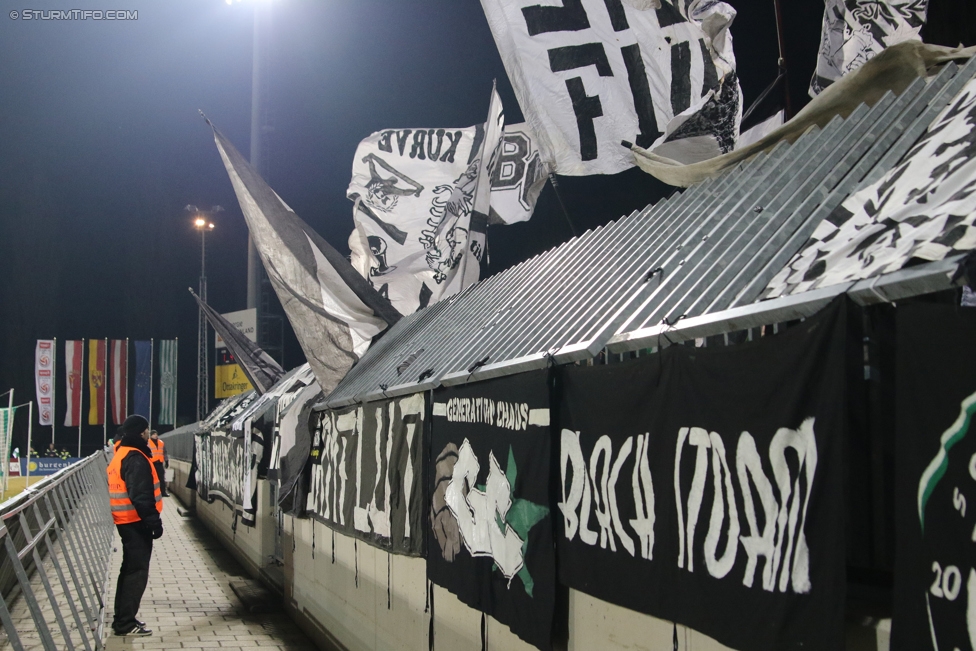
column 101, row 147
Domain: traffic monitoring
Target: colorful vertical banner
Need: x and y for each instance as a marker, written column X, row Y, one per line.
column 167, row 381
column 141, row 402
column 44, row 380
column 96, row 381
column 120, row 379
column 74, row 358
column 6, row 423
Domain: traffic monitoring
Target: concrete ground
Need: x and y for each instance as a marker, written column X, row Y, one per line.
column 189, row 603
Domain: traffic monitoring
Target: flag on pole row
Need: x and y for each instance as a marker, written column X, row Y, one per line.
column 44, row 380
column 96, row 381
column 167, row 381
column 6, row 423
column 141, row 401
column 74, row 359
column 333, row 310
column 120, row 380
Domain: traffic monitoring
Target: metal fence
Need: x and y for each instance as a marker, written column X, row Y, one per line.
column 55, row 551
column 179, row 442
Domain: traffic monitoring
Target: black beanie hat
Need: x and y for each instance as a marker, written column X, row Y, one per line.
column 135, row 424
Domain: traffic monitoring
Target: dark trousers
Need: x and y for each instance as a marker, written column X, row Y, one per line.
column 137, row 547
column 161, row 473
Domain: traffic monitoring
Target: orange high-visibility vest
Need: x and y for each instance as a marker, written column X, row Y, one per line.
column 123, row 511
column 157, row 450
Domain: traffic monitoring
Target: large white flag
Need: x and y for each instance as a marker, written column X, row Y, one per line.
column 422, row 206
column 855, row 31
column 595, row 76
column 44, row 380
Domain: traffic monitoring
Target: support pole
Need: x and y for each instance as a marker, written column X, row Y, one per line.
column 105, row 395
column 30, row 431
column 81, row 394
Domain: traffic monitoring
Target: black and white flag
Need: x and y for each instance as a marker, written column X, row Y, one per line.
column 489, row 485
column 924, row 208
column 593, row 74
column 704, row 486
column 855, row 31
column 935, row 479
column 334, row 311
column 367, row 473
column 259, row 367
column 421, row 206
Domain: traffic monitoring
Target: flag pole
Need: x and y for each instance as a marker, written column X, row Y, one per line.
column 81, row 393
column 6, row 457
column 54, row 387
column 105, row 395
column 149, row 415
column 125, row 412
column 30, row 430
column 176, row 377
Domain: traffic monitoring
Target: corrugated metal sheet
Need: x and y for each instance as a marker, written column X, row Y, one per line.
column 710, row 248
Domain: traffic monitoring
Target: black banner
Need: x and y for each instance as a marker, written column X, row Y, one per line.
column 935, row 512
column 367, row 473
column 226, row 468
column 705, row 486
column 489, row 480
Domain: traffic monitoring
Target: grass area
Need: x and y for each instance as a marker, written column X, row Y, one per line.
column 16, row 485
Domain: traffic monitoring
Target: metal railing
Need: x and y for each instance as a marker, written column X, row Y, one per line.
column 55, row 553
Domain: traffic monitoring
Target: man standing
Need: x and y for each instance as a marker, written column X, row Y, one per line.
column 160, row 459
column 136, row 500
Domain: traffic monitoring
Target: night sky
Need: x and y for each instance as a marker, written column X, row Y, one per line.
column 102, row 146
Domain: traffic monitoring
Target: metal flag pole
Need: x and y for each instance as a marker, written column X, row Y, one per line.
column 125, row 411
column 105, row 384
column 149, row 415
column 81, row 393
column 54, row 386
column 6, row 458
column 176, row 378
column 30, row 431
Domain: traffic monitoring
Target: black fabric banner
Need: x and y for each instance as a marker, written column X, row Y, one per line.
column 705, row 486
column 489, row 481
column 366, row 473
column 935, row 512
column 225, row 468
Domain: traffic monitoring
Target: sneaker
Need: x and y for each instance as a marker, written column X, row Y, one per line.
column 137, row 630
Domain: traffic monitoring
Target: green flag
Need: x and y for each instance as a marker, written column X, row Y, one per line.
column 167, row 381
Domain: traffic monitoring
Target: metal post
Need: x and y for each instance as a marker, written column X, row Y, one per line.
column 149, row 415
column 105, row 395
column 10, row 427
column 81, row 394
column 30, row 431
column 203, row 374
column 260, row 130
column 54, row 386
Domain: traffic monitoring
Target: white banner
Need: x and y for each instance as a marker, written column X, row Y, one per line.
column 44, row 380
column 594, row 76
column 419, row 235
column 855, row 31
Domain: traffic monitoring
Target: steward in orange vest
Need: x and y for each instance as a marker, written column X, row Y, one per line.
column 137, row 502
column 160, row 459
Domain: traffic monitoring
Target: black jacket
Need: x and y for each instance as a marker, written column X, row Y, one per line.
column 137, row 475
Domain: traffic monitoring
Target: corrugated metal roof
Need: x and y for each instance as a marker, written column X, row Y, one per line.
column 712, row 247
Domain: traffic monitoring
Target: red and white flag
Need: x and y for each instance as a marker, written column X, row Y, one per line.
column 44, row 380
column 74, row 354
column 119, row 361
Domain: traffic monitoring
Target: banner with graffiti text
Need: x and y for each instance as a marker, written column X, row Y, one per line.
column 366, row 477
column 935, row 479
column 226, row 469
column 491, row 542
column 704, row 486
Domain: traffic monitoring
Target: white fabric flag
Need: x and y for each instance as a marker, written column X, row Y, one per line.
column 420, row 220
column 591, row 75
column 857, row 30
column 44, row 380
column 922, row 209
column 334, row 312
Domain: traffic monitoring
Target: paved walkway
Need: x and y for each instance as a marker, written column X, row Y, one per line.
column 189, row 603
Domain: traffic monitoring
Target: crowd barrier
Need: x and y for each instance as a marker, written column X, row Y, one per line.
column 56, row 541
